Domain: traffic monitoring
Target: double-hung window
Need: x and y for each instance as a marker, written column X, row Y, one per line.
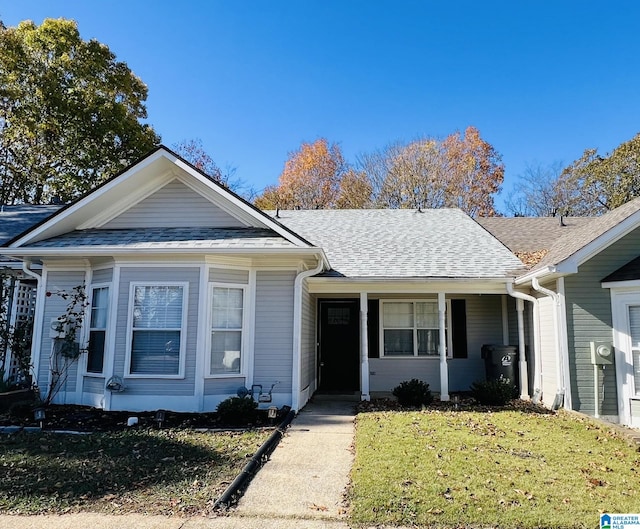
column 411, row 328
column 97, row 329
column 227, row 322
column 157, row 329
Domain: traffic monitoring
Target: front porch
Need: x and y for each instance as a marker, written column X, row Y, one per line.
column 368, row 342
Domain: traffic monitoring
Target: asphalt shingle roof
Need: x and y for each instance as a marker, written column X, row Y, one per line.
column 168, row 238
column 568, row 245
column 16, row 219
column 531, row 234
column 400, row 243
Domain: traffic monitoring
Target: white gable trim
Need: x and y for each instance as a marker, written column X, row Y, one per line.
column 135, row 184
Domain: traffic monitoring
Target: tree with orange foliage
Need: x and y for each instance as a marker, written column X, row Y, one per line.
column 474, row 173
column 460, row 171
column 310, row 179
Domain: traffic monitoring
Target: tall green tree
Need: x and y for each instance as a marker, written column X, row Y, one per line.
column 70, row 113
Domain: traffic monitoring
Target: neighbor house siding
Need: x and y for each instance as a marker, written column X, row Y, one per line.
column 484, row 326
column 589, row 319
column 273, row 358
column 159, row 386
column 174, row 205
column 54, row 307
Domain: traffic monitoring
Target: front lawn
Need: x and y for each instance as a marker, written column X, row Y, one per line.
column 138, row 470
column 503, row 468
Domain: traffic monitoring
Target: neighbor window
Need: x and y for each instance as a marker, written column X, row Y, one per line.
column 410, row 328
column 157, row 329
column 227, row 317
column 97, row 329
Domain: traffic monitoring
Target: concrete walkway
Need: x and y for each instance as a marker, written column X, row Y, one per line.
column 300, row 487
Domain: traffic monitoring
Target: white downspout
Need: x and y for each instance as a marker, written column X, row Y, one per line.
column 297, row 332
column 37, row 319
column 560, row 389
column 522, row 360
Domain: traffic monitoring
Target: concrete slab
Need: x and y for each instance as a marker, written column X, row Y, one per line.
column 308, row 473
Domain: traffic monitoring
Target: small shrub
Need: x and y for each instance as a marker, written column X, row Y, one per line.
column 494, row 392
column 413, row 393
column 237, row 411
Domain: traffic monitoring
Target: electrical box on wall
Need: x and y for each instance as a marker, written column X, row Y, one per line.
column 602, row 353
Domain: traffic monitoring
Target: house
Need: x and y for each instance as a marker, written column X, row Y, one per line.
column 194, row 294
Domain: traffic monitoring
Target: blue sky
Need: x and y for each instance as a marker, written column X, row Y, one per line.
column 542, row 81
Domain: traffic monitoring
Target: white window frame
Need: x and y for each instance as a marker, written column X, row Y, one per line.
column 243, row 336
column 415, row 328
column 183, row 329
column 89, row 328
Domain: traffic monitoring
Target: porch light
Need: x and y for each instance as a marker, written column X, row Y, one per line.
column 160, row 417
column 39, row 415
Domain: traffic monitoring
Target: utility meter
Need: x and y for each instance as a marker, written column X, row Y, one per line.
column 602, row 353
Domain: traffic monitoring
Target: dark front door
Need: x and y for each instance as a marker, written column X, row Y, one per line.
column 339, row 345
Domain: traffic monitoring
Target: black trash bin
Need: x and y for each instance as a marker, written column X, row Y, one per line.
column 501, row 362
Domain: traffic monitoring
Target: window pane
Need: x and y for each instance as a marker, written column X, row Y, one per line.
column 398, row 342
column 157, row 307
column 99, row 305
column 225, row 351
column 428, row 342
column 155, row 353
column 427, row 315
column 95, row 355
column 227, row 308
column 398, row 315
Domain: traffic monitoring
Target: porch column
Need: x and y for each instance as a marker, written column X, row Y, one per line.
column 444, row 370
column 522, row 364
column 364, row 347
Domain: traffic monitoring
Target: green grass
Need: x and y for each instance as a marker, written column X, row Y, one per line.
column 142, row 471
column 511, row 468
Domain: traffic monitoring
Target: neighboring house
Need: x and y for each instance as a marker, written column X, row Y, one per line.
column 195, row 293
column 587, row 289
column 17, row 290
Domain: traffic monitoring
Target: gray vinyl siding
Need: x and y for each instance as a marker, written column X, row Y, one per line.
column 223, row 386
column 308, row 353
column 104, row 275
column 225, row 275
column 159, row 386
column 589, row 319
column 55, row 306
column 174, row 205
column 273, row 359
column 93, row 385
column 484, row 326
column 548, row 347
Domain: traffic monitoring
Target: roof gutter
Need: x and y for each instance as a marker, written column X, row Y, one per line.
column 537, row 385
column 296, row 389
column 560, row 386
